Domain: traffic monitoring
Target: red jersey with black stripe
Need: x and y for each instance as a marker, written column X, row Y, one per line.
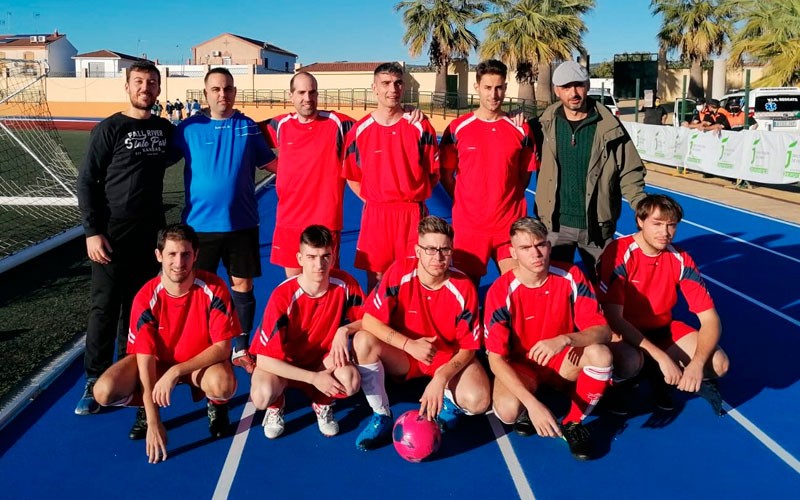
column 449, row 313
column 395, row 163
column 491, row 160
column 647, row 286
column 176, row 329
column 517, row 317
column 299, row 329
column 309, row 184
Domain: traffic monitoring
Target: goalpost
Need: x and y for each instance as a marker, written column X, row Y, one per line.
column 38, row 203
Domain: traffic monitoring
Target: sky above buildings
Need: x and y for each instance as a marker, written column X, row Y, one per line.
column 319, row 31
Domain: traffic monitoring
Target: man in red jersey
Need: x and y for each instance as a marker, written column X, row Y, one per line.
column 422, row 321
column 544, row 326
column 640, row 275
column 486, row 162
column 310, row 188
column 304, row 337
column 182, row 323
column 391, row 164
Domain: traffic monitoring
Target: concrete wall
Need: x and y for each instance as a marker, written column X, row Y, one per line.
column 234, row 50
column 673, row 80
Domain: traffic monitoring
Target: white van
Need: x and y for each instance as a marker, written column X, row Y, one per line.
column 605, row 96
column 773, row 108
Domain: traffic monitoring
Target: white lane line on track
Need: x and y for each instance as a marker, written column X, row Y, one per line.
column 767, row 441
column 742, row 210
column 228, row 472
column 750, row 299
column 740, row 240
column 514, row 468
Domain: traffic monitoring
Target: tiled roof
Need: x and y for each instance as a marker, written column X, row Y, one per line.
column 25, row 40
column 105, row 53
column 266, row 45
column 342, row 66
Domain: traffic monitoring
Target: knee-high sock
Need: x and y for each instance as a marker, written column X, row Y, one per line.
column 589, row 388
column 372, row 383
column 245, row 304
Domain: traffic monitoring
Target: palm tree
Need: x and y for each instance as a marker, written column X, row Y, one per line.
column 769, row 33
column 442, row 26
column 529, row 35
column 697, row 29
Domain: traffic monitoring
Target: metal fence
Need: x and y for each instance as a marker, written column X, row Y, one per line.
column 432, row 103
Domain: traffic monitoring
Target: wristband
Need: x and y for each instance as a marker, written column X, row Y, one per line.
column 404, row 345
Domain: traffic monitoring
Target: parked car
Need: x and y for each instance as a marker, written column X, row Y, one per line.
column 683, row 110
column 604, row 96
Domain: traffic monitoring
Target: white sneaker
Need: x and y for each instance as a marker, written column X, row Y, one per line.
column 328, row 425
column 273, row 422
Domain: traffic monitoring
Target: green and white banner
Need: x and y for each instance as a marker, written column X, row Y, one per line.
column 767, row 157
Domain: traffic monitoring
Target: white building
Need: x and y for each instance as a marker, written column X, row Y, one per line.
column 53, row 48
column 103, row 63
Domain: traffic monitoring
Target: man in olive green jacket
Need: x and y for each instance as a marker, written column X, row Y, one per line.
column 588, row 163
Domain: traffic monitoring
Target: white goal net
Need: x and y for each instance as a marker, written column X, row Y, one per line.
column 37, row 177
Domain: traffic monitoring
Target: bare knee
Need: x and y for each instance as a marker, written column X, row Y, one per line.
column 103, row 391
column 475, row 402
column 507, row 409
column 348, row 376
column 597, row 355
column 366, row 347
column 720, row 363
column 221, row 385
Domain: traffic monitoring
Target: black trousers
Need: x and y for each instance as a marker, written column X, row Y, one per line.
column 113, row 287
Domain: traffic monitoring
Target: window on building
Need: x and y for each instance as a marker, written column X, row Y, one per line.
column 286, row 66
column 28, row 56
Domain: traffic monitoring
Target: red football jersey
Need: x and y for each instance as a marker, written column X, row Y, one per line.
column 176, row 329
column 449, row 313
column 309, row 184
column 517, row 317
column 398, row 163
column 491, row 160
column 647, row 287
column 299, row 329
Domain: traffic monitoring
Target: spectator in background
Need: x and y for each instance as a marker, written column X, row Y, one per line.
column 168, row 108
column 178, row 109
column 195, row 107
column 715, row 118
column 157, row 108
column 736, row 115
column 655, row 114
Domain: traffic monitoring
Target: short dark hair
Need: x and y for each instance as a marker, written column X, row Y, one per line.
column 291, row 82
column 177, row 232
column 530, row 225
column 143, row 66
column 666, row 205
column 434, row 225
column 389, row 67
column 218, row 70
column 490, row 67
column 317, row 236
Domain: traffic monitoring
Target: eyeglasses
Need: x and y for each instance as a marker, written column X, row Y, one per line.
column 445, row 251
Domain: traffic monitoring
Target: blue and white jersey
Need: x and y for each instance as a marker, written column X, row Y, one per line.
column 219, row 176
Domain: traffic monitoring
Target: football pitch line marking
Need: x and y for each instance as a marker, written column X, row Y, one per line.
column 767, row 441
column 514, row 468
column 753, row 301
column 228, row 472
column 742, row 210
column 740, row 240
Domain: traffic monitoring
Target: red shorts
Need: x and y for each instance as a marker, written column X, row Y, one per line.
column 388, row 233
column 548, row 375
column 473, row 250
column 668, row 335
column 417, row 368
column 286, row 244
